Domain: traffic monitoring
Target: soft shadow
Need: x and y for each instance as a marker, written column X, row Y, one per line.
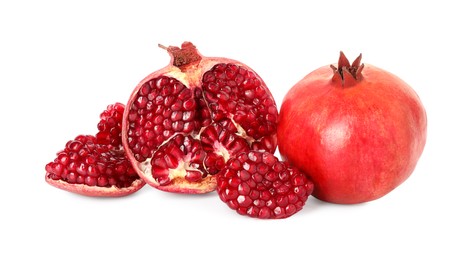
column 176, row 195
column 315, row 205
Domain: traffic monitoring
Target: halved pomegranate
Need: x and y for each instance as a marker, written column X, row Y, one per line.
column 184, row 121
column 96, row 165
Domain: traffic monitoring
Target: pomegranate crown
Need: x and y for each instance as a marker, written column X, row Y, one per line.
column 184, row 56
column 348, row 74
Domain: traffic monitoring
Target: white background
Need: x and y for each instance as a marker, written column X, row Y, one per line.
column 61, row 63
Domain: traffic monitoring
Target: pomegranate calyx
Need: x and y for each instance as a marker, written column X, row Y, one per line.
column 346, row 73
column 183, row 57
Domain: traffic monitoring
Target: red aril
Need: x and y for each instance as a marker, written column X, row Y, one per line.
column 96, row 165
column 184, row 121
column 356, row 130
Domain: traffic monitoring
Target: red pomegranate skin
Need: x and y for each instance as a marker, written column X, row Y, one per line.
column 357, row 141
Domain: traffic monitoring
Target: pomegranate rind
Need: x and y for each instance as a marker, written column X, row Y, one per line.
column 95, row 191
column 180, row 185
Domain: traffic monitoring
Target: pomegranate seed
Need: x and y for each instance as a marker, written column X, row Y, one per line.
column 90, row 181
column 230, row 194
column 193, row 176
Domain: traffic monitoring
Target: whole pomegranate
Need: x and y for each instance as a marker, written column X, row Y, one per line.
column 184, row 121
column 96, row 165
column 356, row 130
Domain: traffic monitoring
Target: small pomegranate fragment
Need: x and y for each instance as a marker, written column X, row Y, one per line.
column 96, row 165
column 258, row 185
column 184, row 121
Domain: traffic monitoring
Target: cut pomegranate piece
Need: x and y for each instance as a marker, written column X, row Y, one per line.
column 184, row 121
column 96, row 165
column 258, row 185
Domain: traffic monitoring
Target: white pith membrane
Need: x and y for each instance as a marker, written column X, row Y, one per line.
column 221, row 150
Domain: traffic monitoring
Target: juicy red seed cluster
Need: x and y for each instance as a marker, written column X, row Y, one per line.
column 199, row 156
column 257, row 184
column 109, row 127
column 168, row 157
column 163, row 107
column 222, row 134
column 232, row 89
column 84, row 161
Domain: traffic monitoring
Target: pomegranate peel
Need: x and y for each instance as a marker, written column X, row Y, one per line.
column 96, row 191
